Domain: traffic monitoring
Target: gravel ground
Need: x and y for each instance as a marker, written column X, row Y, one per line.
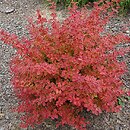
column 13, row 18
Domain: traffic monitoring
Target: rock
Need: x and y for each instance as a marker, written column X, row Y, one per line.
column 6, row 8
column 7, row 117
column 128, row 32
column 1, row 128
column 117, row 127
column 2, row 115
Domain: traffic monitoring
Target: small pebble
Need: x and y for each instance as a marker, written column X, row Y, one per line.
column 2, row 115
column 117, row 127
column 1, row 128
column 127, row 31
column 5, row 8
column 7, row 117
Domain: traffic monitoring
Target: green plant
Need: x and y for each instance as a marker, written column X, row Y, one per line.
column 66, row 3
column 124, row 6
column 121, row 100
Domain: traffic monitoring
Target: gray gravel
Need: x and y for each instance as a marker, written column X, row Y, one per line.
column 13, row 18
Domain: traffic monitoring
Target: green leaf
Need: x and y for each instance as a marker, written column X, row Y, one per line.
column 127, row 97
column 84, row 2
column 120, row 102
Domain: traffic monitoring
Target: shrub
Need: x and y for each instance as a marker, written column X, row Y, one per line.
column 66, row 68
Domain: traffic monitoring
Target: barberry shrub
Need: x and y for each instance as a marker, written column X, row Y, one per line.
column 65, row 68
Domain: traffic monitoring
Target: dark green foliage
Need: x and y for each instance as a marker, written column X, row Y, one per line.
column 125, row 6
column 121, row 100
column 67, row 3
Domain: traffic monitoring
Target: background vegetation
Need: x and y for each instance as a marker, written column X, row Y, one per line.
column 124, row 4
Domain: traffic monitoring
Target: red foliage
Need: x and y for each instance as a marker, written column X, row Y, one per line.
column 72, row 66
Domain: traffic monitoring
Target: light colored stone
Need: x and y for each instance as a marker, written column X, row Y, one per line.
column 5, row 8
column 128, row 31
column 1, row 128
column 2, row 115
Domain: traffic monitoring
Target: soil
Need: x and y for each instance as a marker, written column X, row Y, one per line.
column 13, row 18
